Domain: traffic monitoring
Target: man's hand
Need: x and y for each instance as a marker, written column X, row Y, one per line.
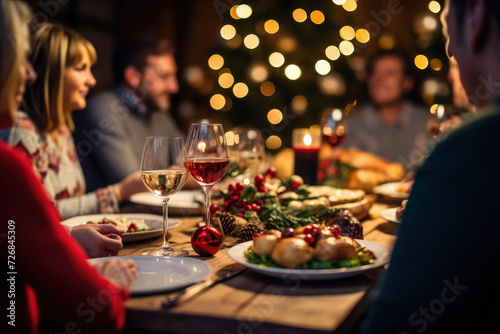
column 98, row 240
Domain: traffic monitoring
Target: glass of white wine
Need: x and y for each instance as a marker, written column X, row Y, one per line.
column 246, row 153
column 163, row 174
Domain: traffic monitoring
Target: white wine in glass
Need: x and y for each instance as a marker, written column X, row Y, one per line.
column 163, row 175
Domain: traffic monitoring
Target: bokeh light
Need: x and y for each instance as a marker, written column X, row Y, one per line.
column 346, row 47
column 217, row 101
column 233, row 13
column 240, row 90
column 332, row 52
column 299, row 15
column 434, row 7
column 267, row 88
column 276, row 59
column 251, row 41
column 293, row 72
column 362, row 35
column 350, row 5
column 215, row 61
column 323, row 67
column 317, row 17
column 258, row 73
column 421, row 62
column 287, row 44
column 299, row 104
column 273, row 142
column 274, row 116
column 339, row 2
column 436, row 64
column 227, row 32
column 386, row 42
column 226, row 80
column 347, row 33
column 271, row 26
column 244, row 11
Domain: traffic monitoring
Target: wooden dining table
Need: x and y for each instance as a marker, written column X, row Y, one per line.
column 239, row 300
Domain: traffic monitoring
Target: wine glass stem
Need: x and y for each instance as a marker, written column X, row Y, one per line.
column 165, row 245
column 207, row 189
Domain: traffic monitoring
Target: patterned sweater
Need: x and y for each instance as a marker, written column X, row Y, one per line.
column 56, row 163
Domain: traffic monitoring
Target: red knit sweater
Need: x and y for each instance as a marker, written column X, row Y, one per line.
column 50, row 268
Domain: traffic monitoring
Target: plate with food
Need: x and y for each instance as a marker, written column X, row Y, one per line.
column 295, row 256
column 162, row 274
column 390, row 215
column 136, row 226
column 398, row 190
column 183, row 201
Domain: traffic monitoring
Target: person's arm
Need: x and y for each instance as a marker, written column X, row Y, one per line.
column 47, row 258
column 98, row 240
column 105, row 139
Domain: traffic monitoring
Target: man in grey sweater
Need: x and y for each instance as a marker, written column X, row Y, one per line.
column 110, row 133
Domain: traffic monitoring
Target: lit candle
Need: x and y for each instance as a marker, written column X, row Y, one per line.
column 306, row 145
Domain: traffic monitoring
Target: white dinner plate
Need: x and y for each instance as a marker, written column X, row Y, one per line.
column 390, row 215
column 155, row 223
column 393, row 189
column 381, row 252
column 162, row 274
column 184, row 199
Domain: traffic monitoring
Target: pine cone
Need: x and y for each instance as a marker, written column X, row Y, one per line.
column 227, row 221
column 246, row 233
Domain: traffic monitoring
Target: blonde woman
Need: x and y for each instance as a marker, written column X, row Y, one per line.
column 50, row 269
column 62, row 59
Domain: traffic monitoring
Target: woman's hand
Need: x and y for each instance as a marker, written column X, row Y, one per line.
column 98, row 240
column 119, row 271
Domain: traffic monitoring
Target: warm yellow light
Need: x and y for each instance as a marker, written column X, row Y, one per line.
column 276, row 59
column 271, row 26
column 350, row 5
column 436, row 64
column 332, row 52
column 299, row 103
column 386, row 42
column 258, row 73
column 323, row 67
column 293, row 72
column 274, row 116
column 229, row 138
column 227, row 32
column 421, row 62
column 362, row 35
column 244, row 11
column 267, row 88
column 299, row 15
column 430, row 22
column 307, row 139
column 240, row 90
column 233, row 13
column 217, row 101
column 346, row 47
column 273, row 142
column 234, row 42
column 287, row 44
column 347, row 33
column 317, row 17
column 434, row 7
column 433, row 109
column 251, row 41
column 339, row 2
column 315, row 128
column 226, row 80
column 215, row 62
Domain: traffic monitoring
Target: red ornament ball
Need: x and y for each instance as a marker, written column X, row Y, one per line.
column 206, row 241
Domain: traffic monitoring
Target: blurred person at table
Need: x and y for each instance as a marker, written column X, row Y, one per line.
column 110, row 133
column 62, row 59
column 390, row 126
column 52, row 278
column 443, row 276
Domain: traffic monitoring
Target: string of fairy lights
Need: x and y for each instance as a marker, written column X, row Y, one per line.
column 257, row 75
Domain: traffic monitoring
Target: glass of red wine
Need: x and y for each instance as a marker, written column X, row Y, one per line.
column 206, row 158
column 163, row 174
column 333, row 128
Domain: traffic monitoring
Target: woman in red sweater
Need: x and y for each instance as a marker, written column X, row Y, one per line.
column 45, row 267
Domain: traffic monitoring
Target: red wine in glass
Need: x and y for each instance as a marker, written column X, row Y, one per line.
column 335, row 137
column 207, row 170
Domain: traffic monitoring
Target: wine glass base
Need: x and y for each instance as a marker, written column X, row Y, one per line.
column 166, row 252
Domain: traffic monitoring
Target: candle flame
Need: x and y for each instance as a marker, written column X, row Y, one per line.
column 307, row 140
